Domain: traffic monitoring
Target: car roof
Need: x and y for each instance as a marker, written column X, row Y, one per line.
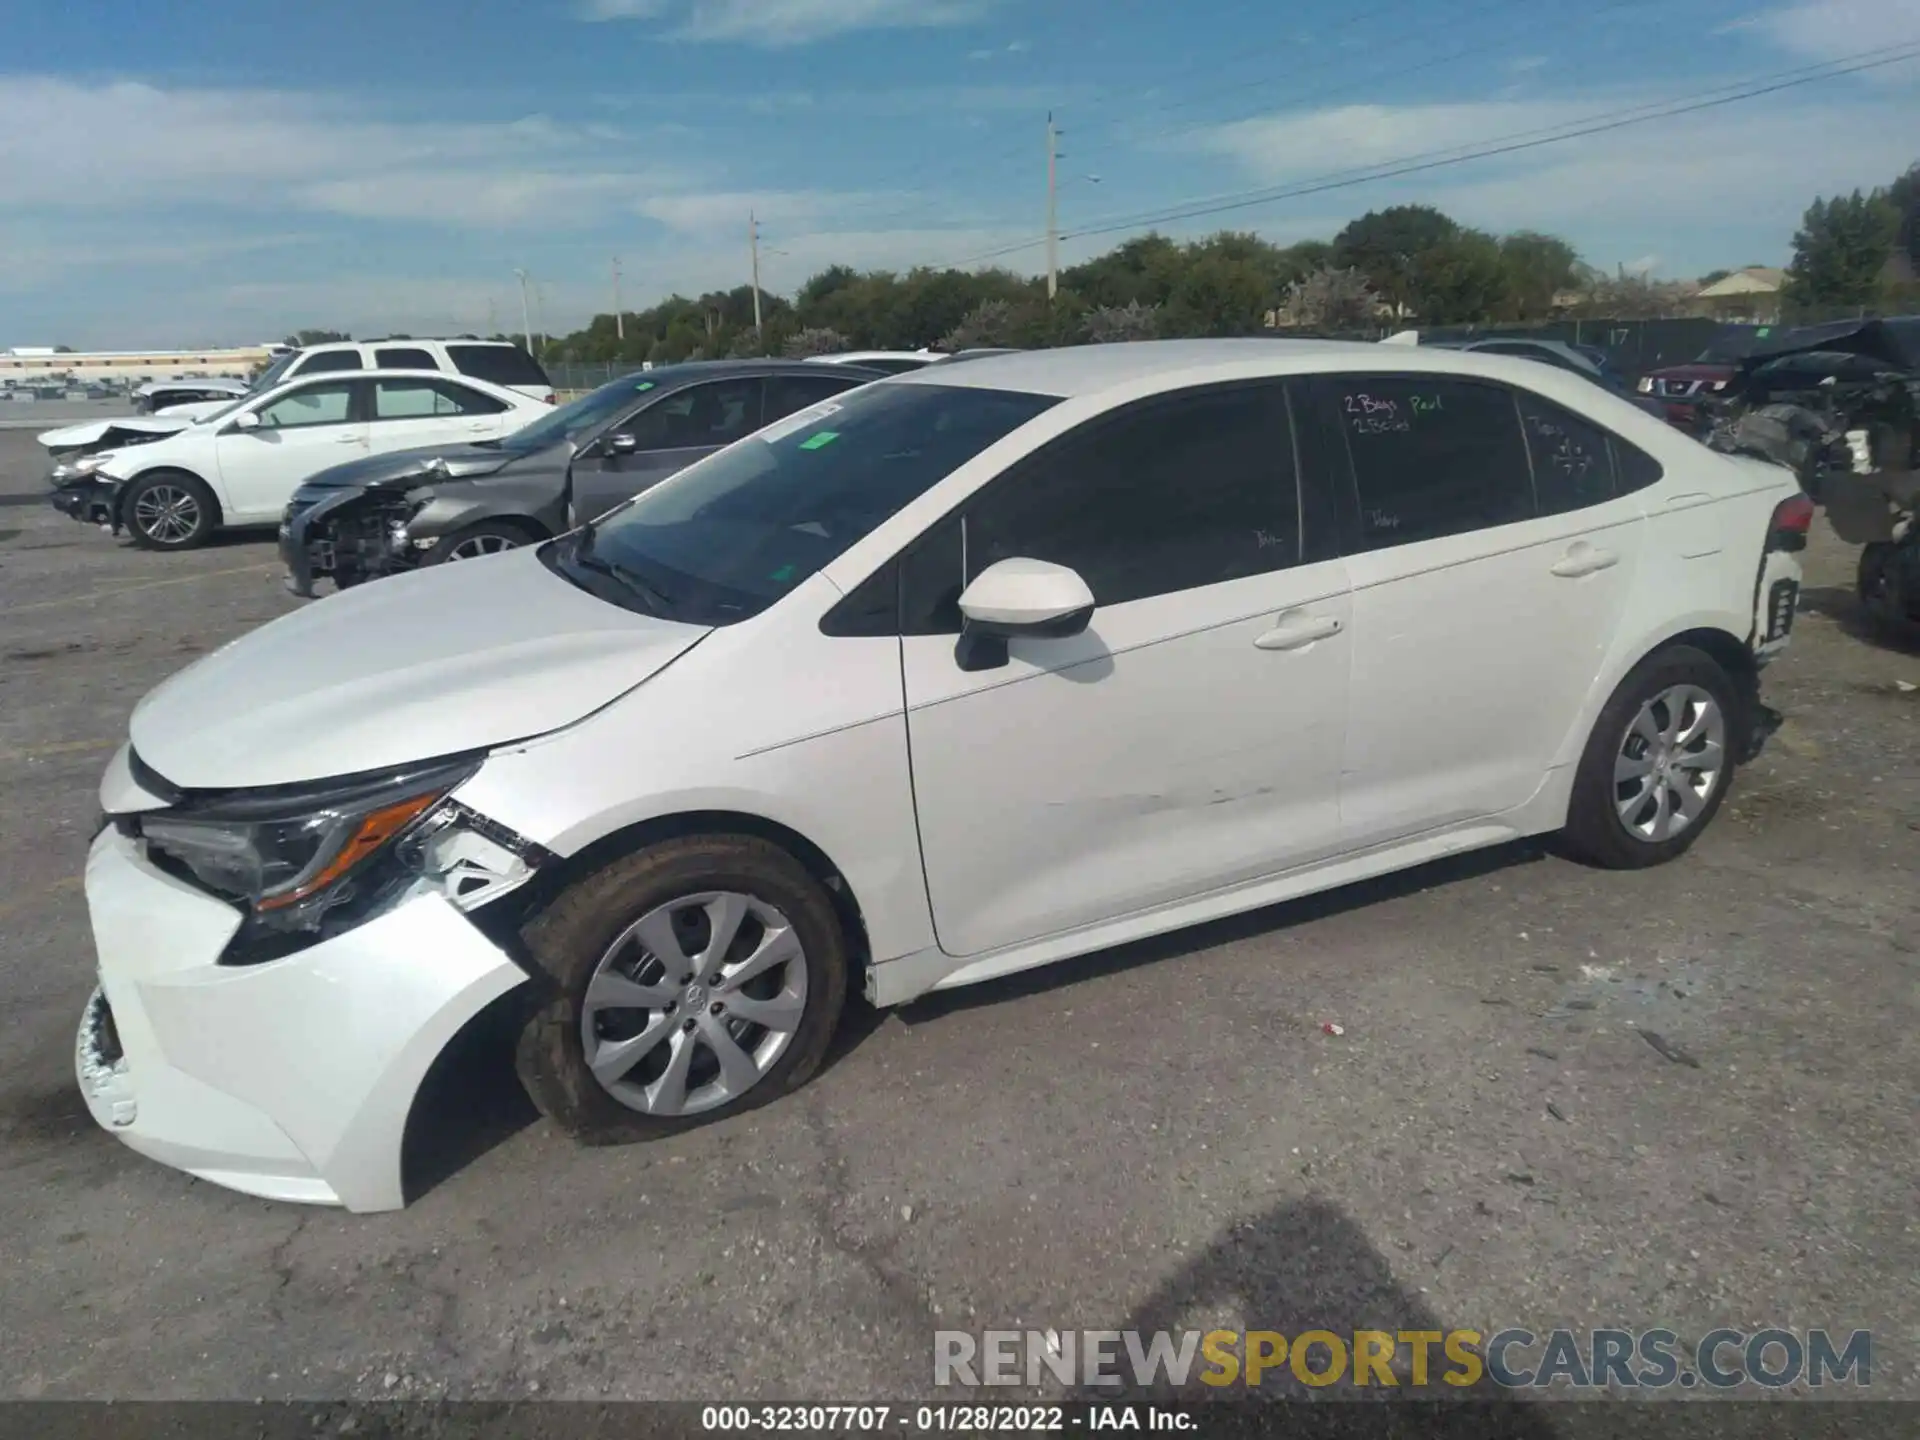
column 1090, row 369
column 686, row 370
column 375, row 374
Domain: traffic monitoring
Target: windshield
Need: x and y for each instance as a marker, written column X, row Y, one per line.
column 576, row 417
column 262, row 383
column 725, row 538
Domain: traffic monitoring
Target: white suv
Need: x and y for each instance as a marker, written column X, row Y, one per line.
column 956, row 674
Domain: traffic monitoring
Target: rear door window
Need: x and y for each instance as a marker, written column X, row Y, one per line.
column 1430, row 456
column 788, row 393
column 424, row 399
column 501, row 364
column 1572, row 460
column 404, row 359
column 326, row 362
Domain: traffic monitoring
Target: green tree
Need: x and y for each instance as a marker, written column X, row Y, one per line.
column 1386, row 245
column 1538, row 268
column 1840, row 251
column 1142, row 270
column 1461, row 279
column 1713, row 277
column 300, row 339
column 1109, row 324
column 804, row 344
column 1904, row 196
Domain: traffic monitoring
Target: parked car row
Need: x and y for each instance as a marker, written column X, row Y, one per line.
column 946, row 675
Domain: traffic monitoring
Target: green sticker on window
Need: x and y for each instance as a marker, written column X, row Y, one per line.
column 820, row 441
column 644, row 385
column 782, row 575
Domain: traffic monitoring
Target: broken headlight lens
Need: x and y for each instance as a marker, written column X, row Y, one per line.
column 305, row 863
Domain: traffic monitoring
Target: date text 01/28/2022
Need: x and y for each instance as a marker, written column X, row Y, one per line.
column 936, row 1419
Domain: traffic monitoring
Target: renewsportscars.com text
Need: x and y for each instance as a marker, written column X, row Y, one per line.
column 1512, row 1359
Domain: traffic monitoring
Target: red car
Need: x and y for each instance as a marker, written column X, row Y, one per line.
column 1679, row 388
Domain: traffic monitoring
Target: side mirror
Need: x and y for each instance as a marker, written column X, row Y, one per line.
column 620, row 445
column 246, row 420
column 1019, row 598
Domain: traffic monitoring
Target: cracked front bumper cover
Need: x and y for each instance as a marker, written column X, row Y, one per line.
column 291, row 1079
column 92, row 501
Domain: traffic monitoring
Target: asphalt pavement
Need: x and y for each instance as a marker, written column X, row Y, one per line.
column 1681, row 1097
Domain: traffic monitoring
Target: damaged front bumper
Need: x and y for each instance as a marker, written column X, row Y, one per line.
column 90, row 499
column 291, row 1079
column 349, row 535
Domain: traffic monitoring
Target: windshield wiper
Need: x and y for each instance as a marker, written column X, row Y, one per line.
column 584, row 556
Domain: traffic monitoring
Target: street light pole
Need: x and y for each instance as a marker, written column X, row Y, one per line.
column 753, row 239
column 619, row 320
column 526, row 320
column 1053, row 208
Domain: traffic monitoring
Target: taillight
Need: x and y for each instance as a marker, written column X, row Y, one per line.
column 1792, row 519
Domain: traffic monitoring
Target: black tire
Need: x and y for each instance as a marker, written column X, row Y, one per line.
column 169, row 510
column 485, row 537
column 566, row 941
column 1595, row 830
column 1883, row 598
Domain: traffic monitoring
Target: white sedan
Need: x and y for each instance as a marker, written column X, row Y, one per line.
column 240, row 465
column 956, row 674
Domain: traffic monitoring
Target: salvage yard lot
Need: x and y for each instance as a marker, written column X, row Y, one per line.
column 1683, row 1097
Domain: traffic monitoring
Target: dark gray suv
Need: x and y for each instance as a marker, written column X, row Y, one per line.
column 387, row 513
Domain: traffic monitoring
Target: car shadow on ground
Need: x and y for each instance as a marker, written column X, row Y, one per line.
column 1303, row 1266
column 1842, row 606
column 1449, row 870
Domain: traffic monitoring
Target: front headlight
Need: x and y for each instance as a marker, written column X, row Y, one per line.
column 1644, row 384
column 306, row 863
column 1719, row 385
column 83, row 467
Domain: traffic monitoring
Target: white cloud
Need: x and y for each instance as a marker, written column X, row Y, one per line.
column 1828, row 29
column 773, row 24
column 621, row 9
column 1678, row 183
column 252, row 151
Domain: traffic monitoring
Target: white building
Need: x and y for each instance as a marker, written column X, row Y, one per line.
column 41, row 365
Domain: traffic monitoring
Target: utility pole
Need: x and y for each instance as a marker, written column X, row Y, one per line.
column 619, row 320
column 1053, row 208
column 753, row 239
column 526, row 322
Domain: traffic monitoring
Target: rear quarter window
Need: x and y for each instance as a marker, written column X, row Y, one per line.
column 502, row 364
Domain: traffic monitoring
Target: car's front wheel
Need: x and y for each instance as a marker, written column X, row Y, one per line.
column 169, row 510
column 698, row 977
column 1658, row 762
column 489, row 537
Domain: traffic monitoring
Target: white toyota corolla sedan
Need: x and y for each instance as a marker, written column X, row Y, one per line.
column 958, row 674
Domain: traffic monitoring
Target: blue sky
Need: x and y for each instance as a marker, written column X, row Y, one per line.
column 197, row 172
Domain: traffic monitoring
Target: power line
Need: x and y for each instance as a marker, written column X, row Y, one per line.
column 1322, row 93
column 1498, row 145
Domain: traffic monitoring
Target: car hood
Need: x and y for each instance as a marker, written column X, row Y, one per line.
column 95, row 430
column 1695, row 370
column 463, row 462
column 431, row 663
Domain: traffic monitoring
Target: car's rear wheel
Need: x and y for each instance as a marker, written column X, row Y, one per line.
column 489, row 537
column 169, row 510
column 1882, row 595
column 699, row 977
column 1658, row 762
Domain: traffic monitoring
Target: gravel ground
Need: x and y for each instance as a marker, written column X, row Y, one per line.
column 1158, row 1135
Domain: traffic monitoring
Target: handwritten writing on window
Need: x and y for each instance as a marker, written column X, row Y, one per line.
column 1370, row 414
column 1560, row 449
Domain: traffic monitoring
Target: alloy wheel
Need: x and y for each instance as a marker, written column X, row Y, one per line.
column 166, row 514
column 475, row 545
column 693, row 1003
column 1671, row 761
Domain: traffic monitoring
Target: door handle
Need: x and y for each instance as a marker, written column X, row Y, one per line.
column 1584, row 560
column 1298, row 632
column 348, row 440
